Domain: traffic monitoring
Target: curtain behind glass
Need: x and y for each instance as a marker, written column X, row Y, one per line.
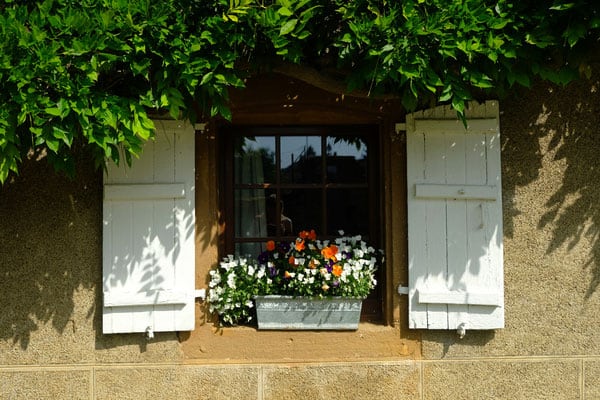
column 250, row 217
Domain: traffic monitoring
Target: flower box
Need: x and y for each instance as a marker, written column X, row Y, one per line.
column 304, row 313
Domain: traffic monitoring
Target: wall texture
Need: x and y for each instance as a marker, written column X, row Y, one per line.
column 50, row 285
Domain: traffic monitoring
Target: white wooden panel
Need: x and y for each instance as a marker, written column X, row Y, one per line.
column 480, row 192
column 436, row 229
column 415, row 160
column 455, row 220
column 474, row 125
column 150, row 297
column 148, row 238
column 461, row 297
column 144, row 192
column 456, row 214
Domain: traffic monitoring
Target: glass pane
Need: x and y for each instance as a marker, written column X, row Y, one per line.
column 346, row 159
column 304, row 208
column 301, row 159
column 250, row 250
column 273, row 220
column 348, row 210
column 250, row 213
column 254, row 159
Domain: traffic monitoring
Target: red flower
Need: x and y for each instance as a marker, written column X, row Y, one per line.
column 270, row 245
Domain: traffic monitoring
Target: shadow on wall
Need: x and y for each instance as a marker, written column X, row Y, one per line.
column 51, row 249
column 568, row 119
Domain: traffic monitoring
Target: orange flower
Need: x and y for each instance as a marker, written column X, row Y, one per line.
column 337, row 270
column 299, row 245
column 312, row 264
column 312, row 235
column 270, row 245
column 287, row 275
column 325, row 287
column 292, row 260
column 330, row 252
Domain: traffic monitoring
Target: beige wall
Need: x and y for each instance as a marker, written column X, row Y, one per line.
column 50, row 266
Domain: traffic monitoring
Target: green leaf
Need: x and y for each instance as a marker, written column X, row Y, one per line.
column 288, row 27
column 285, row 12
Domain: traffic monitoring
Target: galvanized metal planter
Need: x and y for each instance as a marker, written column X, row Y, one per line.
column 305, row 313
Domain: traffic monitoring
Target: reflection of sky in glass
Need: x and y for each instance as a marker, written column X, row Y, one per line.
column 259, row 142
column 295, row 146
column 343, row 148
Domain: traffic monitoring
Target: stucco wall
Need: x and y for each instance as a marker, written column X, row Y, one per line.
column 50, row 267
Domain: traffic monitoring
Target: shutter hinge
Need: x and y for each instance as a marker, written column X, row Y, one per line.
column 399, row 131
column 200, row 294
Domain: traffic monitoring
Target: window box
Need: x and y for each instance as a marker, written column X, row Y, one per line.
column 305, row 313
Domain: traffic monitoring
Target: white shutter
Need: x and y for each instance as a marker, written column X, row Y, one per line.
column 148, row 236
column 455, row 219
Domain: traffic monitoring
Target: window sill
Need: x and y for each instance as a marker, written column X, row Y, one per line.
column 244, row 345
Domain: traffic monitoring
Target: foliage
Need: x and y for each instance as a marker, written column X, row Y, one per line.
column 306, row 267
column 87, row 73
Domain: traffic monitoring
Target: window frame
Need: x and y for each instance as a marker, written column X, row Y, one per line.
column 373, row 307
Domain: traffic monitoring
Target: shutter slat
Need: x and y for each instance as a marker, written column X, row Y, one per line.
column 151, row 297
column 472, row 297
column 472, row 192
column 144, row 192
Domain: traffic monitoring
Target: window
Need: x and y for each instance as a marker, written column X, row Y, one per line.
column 278, row 181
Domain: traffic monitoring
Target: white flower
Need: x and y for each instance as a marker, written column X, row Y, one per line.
column 261, row 272
column 231, row 281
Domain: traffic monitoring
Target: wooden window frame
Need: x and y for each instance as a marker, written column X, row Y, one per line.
column 373, row 306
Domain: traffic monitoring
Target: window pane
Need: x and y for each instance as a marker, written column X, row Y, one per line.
column 250, row 249
column 304, row 209
column 274, row 221
column 250, row 213
column 301, row 159
column 254, row 159
column 346, row 160
column 348, row 210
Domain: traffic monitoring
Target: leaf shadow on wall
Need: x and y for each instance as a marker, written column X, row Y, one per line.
column 568, row 119
column 50, row 250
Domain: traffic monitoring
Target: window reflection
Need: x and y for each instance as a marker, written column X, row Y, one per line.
column 346, row 160
column 254, row 159
column 305, row 208
column 281, row 188
column 348, row 210
column 301, row 160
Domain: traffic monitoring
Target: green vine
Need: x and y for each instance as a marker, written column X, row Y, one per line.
column 87, row 73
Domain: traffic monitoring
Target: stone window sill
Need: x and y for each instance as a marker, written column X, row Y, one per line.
column 370, row 342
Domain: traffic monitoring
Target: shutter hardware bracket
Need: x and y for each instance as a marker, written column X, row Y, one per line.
column 461, row 330
column 149, row 333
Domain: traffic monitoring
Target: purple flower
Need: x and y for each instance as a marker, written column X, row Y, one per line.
column 285, row 246
column 336, row 283
column 272, row 271
column 263, row 257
